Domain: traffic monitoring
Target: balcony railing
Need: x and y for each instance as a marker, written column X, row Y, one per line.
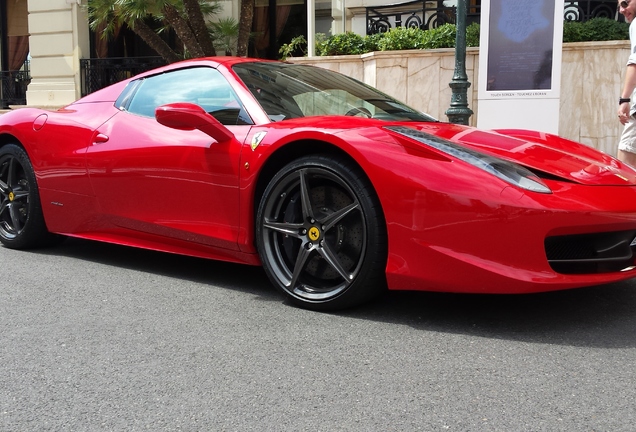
column 13, row 86
column 419, row 14
column 585, row 10
column 99, row 73
column 432, row 14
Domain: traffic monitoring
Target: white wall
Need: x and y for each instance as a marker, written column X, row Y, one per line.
column 58, row 39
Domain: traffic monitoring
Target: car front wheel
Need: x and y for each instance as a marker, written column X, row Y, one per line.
column 321, row 234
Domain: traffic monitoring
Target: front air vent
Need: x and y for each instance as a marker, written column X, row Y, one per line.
column 591, row 253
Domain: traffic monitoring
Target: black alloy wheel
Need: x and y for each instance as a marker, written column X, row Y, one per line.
column 21, row 221
column 321, row 234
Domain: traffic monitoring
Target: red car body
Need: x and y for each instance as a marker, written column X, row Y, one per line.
column 106, row 174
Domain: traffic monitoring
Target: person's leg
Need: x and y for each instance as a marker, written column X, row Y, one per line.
column 627, row 157
column 627, row 144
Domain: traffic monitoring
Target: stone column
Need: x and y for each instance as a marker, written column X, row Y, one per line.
column 59, row 38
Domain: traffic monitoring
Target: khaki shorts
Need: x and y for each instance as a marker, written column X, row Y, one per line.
column 627, row 142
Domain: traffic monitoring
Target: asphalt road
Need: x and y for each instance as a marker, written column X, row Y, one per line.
column 99, row 337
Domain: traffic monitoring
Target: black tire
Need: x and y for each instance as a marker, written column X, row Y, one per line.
column 321, row 235
column 21, row 221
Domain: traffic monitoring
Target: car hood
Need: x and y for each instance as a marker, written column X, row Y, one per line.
column 540, row 152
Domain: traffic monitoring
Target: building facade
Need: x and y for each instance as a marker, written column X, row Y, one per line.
column 45, row 45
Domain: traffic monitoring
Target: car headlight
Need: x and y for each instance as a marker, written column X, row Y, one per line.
column 512, row 173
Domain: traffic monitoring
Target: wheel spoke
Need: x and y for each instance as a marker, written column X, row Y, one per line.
column 4, row 207
column 15, row 217
column 337, row 216
column 10, row 172
column 4, row 186
column 326, row 252
column 290, row 229
column 308, row 212
column 301, row 259
column 20, row 194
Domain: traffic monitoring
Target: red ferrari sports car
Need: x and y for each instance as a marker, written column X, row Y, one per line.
column 336, row 189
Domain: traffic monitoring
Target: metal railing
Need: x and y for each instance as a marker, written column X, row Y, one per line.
column 13, row 86
column 416, row 14
column 99, row 73
column 421, row 14
column 585, row 10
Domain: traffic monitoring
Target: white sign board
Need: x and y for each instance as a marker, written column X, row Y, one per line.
column 520, row 64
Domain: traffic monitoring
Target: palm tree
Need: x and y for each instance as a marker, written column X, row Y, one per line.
column 245, row 27
column 185, row 17
column 225, row 33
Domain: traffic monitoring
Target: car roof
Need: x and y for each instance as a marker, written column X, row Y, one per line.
column 112, row 92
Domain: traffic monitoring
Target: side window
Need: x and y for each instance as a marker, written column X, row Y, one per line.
column 203, row 86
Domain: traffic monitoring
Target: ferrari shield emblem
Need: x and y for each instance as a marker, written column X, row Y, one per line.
column 11, row 196
column 257, row 138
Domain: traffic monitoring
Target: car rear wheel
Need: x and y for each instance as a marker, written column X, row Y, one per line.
column 321, row 234
column 21, row 221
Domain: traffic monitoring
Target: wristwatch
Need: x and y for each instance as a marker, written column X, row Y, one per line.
column 623, row 100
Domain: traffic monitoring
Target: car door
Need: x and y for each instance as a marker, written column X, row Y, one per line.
column 151, row 179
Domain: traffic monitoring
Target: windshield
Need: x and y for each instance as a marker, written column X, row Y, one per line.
column 290, row 91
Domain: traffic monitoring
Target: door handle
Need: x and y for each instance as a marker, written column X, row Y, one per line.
column 100, row 138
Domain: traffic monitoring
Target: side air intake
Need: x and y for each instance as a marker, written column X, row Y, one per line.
column 591, row 253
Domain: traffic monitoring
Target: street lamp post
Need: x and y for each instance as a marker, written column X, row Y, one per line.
column 459, row 111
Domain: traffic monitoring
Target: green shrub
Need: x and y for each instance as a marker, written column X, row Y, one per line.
column 441, row 37
column 596, row 29
column 572, row 31
column 342, row 44
column 294, row 47
column 472, row 35
column 372, row 42
column 401, row 38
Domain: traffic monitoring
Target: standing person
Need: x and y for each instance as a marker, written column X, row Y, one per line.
column 626, row 108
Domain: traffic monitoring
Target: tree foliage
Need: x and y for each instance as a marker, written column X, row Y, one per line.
column 225, row 34
column 189, row 19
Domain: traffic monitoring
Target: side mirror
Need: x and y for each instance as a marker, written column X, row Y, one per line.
column 189, row 116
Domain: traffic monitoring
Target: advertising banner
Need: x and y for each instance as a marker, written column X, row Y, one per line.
column 520, row 64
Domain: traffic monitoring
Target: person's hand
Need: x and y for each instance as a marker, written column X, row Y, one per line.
column 623, row 113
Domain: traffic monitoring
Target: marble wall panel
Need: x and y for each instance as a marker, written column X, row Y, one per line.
column 353, row 69
column 571, row 91
column 473, row 54
column 370, row 69
column 601, row 75
column 391, row 75
column 423, row 75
